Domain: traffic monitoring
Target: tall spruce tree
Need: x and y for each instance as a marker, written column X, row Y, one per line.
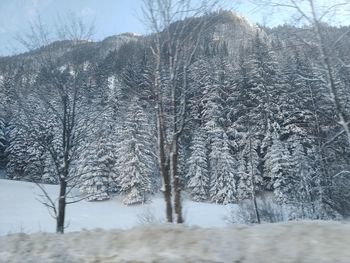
column 303, row 189
column 250, row 177
column 198, row 174
column 135, row 155
column 222, row 169
column 23, row 155
column 277, row 166
column 97, row 166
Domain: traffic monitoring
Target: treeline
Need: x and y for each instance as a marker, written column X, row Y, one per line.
column 258, row 118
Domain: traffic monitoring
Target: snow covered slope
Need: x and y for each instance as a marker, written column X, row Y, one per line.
column 293, row 242
column 20, row 211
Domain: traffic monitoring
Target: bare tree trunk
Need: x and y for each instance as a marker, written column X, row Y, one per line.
column 180, row 46
column 68, row 123
column 257, row 215
column 176, row 182
column 164, row 165
column 167, row 192
column 61, row 207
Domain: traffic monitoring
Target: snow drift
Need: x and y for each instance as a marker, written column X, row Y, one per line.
column 292, row 242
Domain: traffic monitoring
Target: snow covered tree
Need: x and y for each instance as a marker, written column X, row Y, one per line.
column 277, row 163
column 250, row 178
column 16, row 152
column 263, row 78
column 97, row 152
column 24, row 154
column 198, row 174
column 222, row 169
column 34, row 167
column 2, row 144
column 135, row 163
column 96, row 169
column 49, row 175
column 221, row 161
column 313, row 14
column 304, row 188
column 213, row 103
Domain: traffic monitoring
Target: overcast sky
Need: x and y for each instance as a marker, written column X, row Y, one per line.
column 111, row 16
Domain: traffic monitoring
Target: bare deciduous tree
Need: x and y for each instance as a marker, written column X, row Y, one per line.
column 59, row 92
column 175, row 40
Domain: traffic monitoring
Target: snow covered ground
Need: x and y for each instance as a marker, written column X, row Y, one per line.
column 20, row 211
column 213, row 241
column 269, row 243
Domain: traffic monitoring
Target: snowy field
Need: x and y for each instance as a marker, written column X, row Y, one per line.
column 315, row 242
column 20, row 211
column 213, row 241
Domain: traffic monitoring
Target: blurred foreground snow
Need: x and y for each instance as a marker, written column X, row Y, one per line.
column 293, row 242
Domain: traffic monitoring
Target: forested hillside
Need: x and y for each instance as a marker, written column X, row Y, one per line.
column 256, row 112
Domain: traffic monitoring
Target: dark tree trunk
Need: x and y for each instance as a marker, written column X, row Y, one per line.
column 257, row 214
column 61, row 207
column 167, row 194
column 164, row 165
column 176, row 183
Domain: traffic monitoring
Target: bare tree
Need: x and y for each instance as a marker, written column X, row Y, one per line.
column 56, row 114
column 57, row 98
column 175, row 40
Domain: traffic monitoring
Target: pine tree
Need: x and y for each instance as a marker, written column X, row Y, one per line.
column 258, row 86
column 302, row 189
column 96, row 170
column 135, row 162
column 222, row 169
column 47, row 142
column 250, row 178
column 23, row 155
column 212, row 101
column 34, row 167
column 198, row 167
column 264, row 84
column 3, row 144
column 244, row 187
column 277, row 167
column 49, row 175
column 96, row 162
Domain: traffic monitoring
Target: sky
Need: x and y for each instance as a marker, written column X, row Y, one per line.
column 110, row 17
